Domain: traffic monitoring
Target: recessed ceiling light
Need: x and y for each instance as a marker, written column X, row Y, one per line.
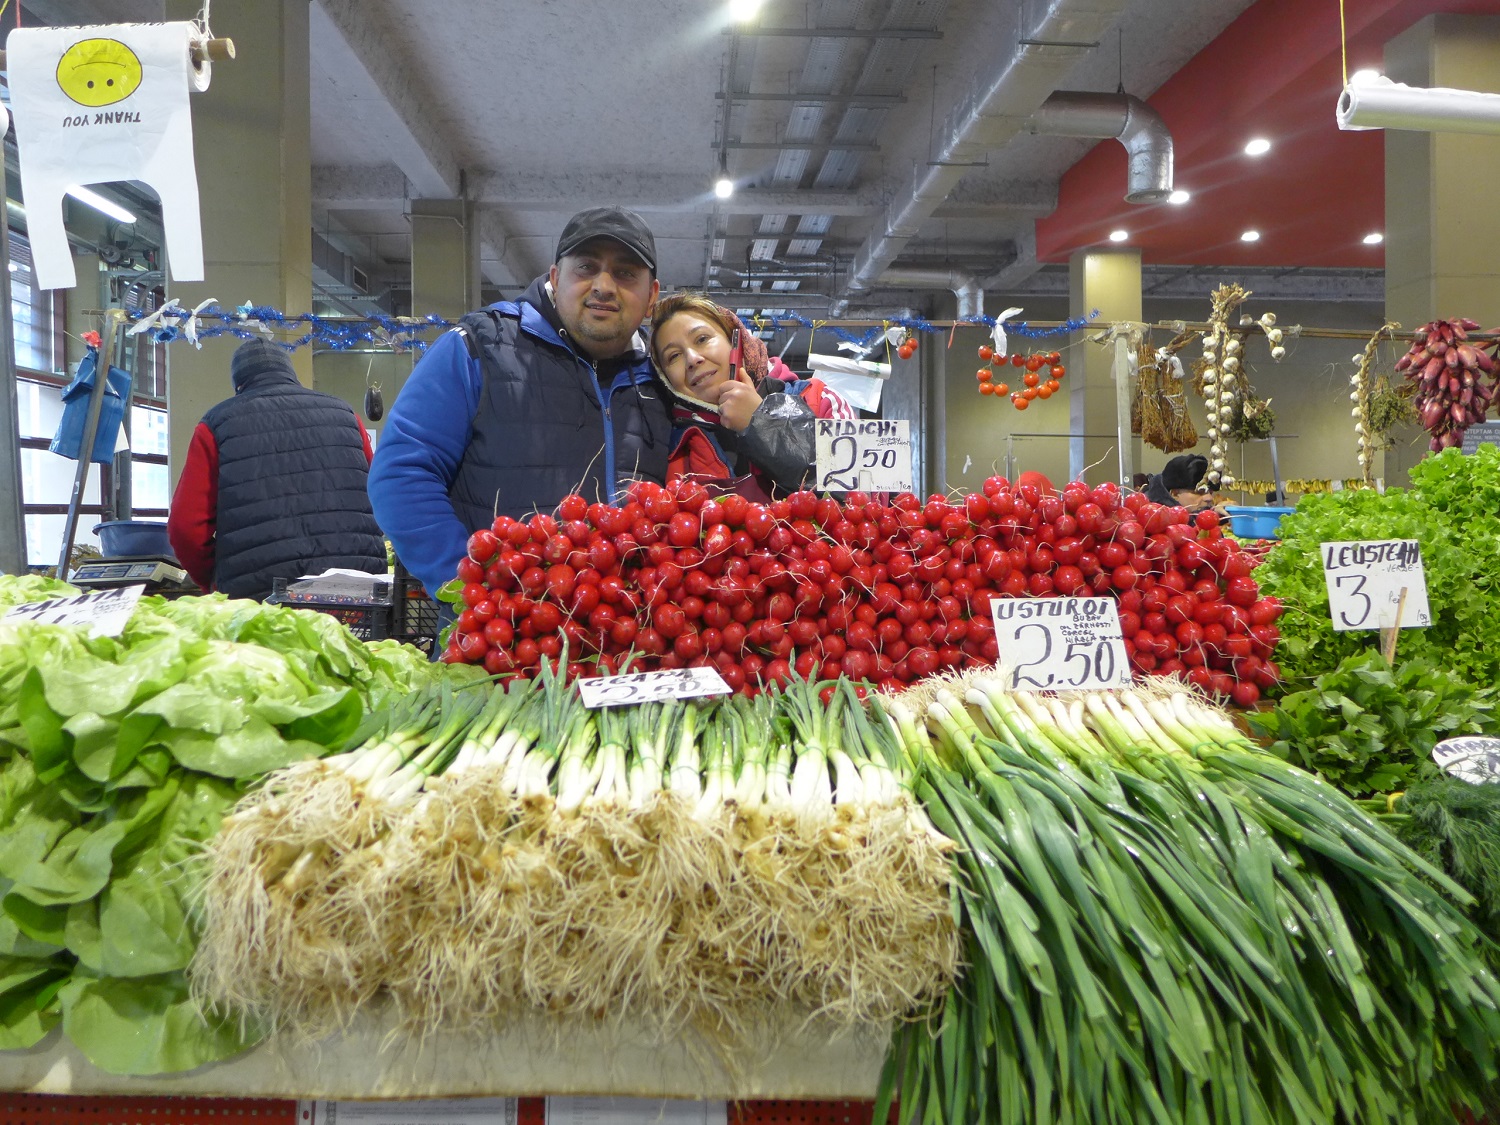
column 1179, row 197
column 743, row 10
column 1118, row 235
column 1250, row 236
column 1374, row 238
column 1258, row 147
column 1367, row 74
column 723, row 187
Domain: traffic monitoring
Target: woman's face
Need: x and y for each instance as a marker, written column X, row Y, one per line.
column 693, row 353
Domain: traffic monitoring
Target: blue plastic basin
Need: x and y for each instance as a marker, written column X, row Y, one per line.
column 132, row 538
column 1255, row 523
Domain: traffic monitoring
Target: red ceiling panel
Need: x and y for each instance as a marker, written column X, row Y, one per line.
column 1276, row 73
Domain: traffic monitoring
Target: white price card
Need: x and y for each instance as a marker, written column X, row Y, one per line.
column 649, row 687
column 105, row 612
column 1365, row 580
column 1060, row 644
column 448, row 1111
column 872, row 455
column 1469, row 758
column 634, row 1111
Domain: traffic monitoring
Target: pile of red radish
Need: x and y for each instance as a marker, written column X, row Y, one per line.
column 885, row 592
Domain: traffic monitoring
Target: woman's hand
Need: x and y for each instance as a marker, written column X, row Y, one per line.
column 737, row 402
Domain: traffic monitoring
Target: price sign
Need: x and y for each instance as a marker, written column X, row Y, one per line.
column 1470, row 759
column 105, row 612
column 873, row 456
column 1485, row 433
column 1365, row 580
column 650, row 687
column 1059, row 644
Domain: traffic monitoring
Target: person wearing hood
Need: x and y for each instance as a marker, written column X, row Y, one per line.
column 1178, row 484
column 527, row 401
column 274, row 484
column 742, row 420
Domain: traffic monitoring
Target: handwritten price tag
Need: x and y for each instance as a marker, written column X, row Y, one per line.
column 651, row 687
column 1365, row 580
column 1060, row 644
column 1472, row 759
column 874, row 456
column 104, row 612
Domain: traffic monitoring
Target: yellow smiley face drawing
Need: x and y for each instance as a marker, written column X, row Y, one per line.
column 97, row 72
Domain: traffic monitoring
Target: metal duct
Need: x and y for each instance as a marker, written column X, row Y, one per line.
column 994, row 113
column 1126, row 118
column 964, row 284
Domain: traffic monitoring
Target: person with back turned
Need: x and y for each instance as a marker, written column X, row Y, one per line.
column 274, row 485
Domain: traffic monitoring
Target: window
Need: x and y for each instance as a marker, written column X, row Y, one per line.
column 37, row 314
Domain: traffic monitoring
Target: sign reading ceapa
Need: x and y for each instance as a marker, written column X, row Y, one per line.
column 873, row 455
column 1058, row 644
column 1365, row 579
column 651, row 687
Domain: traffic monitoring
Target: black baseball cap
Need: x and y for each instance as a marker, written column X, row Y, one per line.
column 625, row 227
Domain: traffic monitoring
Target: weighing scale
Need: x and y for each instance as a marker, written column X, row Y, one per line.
column 160, row 574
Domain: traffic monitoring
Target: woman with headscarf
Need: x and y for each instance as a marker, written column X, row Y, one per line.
column 741, row 418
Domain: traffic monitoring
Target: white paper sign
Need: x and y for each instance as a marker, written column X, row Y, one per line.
column 634, row 1111
column 874, row 455
column 1471, row 759
column 105, row 612
column 451, row 1111
column 1060, row 644
column 97, row 105
column 650, row 687
column 1365, row 580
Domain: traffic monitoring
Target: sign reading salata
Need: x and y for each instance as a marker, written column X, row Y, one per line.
column 1367, row 580
column 104, row 612
column 1060, row 644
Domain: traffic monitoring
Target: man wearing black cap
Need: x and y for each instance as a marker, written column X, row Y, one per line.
column 274, row 485
column 527, row 401
column 1178, row 483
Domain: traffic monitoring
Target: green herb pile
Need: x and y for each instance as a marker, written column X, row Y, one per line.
column 1453, row 511
column 1369, row 728
column 118, row 757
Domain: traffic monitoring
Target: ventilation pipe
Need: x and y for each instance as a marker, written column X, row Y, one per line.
column 995, row 112
column 1124, row 117
column 964, row 284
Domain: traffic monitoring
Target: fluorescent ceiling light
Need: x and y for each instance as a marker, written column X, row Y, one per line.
column 1360, row 77
column 723, row 187
column 743, row 10
column 1375, row 238
column 1179, row 197
column 1250, row 236
column 99, row 203
column 1258, row 147
column 1118, row 235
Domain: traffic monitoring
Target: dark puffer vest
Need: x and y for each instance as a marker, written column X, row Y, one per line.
column 548, row 423
column 292, row 476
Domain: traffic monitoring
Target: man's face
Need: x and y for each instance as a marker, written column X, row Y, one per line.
column 1192, row 499
column 602, row 292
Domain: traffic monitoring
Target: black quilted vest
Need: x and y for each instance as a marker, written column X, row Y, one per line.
column 292, row 475
column 540, row 432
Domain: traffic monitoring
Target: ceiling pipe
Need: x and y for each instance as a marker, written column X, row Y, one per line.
column 964, row 284
column 1147, row 140
column 992, row 114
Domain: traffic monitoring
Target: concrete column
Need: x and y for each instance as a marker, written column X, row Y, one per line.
column 251, row 140
column 1441, row 222
column 1109, row 281
column 444, row 257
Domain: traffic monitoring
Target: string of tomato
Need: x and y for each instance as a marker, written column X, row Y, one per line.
column 1034, row 385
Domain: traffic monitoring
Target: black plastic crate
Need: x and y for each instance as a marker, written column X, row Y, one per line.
column 414, row 615
column 367, row 620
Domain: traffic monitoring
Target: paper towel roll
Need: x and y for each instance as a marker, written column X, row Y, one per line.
column 1383, row 104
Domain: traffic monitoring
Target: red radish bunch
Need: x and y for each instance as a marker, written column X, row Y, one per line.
column 1455, row 380
column 889, row 593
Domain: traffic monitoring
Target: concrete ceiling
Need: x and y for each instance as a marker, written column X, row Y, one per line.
column 836, row 109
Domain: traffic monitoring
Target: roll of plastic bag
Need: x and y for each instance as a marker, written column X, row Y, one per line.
column 843, row 366
column 1383, row 104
